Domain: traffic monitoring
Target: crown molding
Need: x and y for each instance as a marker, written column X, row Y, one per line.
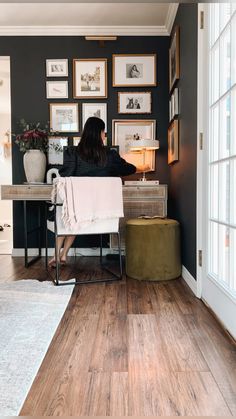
column 84, row 30
column 170, row 18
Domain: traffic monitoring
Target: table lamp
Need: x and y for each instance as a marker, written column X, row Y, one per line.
column 143, row 146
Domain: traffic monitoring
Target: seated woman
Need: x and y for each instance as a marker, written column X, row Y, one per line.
column 90, row 158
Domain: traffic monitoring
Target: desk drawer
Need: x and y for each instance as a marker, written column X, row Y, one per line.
column 144, row 192
column 26, row 192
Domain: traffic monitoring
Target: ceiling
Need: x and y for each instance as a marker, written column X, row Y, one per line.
column 75, row 18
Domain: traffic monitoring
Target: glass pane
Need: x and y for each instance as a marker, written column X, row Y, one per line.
column 224, row 191
column 224, row 146
column 214, row 22
column 233, row 260
column 233, row 50
column 214, row 133
column 214, row 75
column 233, row 123
column 224, row 254
column 225, row 82
column 214, row 188
column 224, row 14
column 233, row 194
column 213, row 249
column 233, row 6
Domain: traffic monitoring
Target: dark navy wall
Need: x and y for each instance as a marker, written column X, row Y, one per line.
column 28, row 97
column 182, row 187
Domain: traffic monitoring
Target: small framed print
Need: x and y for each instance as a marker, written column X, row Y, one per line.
column 55, row 149
column 94, row 109
column 174, row 70
column 57, row 89
column 125, row 131
column 134, row 102
column 57, row 68
column 90, row 78
column 134, row 70
column 76, row 141
column 174, row 104
column 173, row 142
column 64, row 117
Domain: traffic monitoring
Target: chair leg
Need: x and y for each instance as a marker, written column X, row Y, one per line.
column 100, row 249
column 57, row 262
column 120, row 256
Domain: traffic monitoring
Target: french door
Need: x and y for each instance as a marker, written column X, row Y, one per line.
column 219, row 163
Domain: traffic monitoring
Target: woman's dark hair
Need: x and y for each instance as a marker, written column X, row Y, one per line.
column 91, row 148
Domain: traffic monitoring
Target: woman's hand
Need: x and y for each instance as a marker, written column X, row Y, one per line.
column 143, row 168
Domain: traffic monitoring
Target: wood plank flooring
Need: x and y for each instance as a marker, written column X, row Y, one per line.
column 131, row 348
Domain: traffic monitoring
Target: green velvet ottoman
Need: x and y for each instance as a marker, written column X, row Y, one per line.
column 153, row 249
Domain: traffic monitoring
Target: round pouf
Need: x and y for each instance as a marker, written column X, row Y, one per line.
column 153, row 249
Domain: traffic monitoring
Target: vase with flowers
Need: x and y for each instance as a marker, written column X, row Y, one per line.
column 33, row 142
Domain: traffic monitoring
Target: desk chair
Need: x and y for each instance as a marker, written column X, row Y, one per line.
column 97, row 226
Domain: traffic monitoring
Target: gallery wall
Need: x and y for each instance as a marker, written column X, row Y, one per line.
column 183, row 173
column 28, row 87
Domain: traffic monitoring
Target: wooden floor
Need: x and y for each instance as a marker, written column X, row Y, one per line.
column 132, row 348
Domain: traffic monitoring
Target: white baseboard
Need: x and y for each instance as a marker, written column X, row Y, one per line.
column 190, row 281
column 79, row 252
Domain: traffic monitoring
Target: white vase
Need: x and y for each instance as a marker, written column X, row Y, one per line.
column 35, row 165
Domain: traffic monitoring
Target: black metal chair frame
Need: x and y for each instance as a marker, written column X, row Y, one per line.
column 56, row 279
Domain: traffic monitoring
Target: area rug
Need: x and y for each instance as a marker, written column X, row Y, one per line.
column 30, row 312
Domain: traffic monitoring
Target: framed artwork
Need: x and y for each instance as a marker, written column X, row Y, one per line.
column 94, row 109
column 134, row 102
column 57, row 68
column 173, row 142
column 174, row 70
column 90, row 78
column 57, row 89
column 55, row 149
column 125, row 131
column 64, row 117
column 174, row 104
column 76, row 141
column 134, row 70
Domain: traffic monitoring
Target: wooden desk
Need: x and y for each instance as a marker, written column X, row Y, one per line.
column 27, row 193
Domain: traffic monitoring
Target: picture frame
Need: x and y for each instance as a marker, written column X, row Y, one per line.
column 64, row 117
column 57, row 89
column 173, row 142
column 134, row 70
column 90, row 78
column 94, row 109
column 55, row 149
column 126, row 130
column 134, row 102
column 174, row 64
column 174, row 104
column 57, row 67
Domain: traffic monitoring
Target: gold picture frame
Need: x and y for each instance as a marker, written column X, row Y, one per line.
column 134, row 70
column 135, row 102
column 174, row 64
column 173, row 142
column 89, row 78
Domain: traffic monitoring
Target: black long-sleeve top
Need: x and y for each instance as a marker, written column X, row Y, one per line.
column 74, row 166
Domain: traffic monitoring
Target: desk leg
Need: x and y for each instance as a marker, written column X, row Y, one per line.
column 26, row 234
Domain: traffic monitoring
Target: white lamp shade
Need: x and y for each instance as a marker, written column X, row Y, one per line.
column 144, row 144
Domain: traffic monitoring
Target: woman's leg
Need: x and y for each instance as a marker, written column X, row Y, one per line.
column 67, row 245
column 60, row 241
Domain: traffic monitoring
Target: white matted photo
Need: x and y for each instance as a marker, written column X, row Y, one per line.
column 126, row 131
column 90, row 78
column 98, row 110
column 57, row 89
column 174, row 104
column 57, row 68
column 134, row 102
column 134, row 70
column 64, row 117
column 55, row 149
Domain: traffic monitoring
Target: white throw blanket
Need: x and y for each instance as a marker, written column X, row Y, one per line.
column 88, row 199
